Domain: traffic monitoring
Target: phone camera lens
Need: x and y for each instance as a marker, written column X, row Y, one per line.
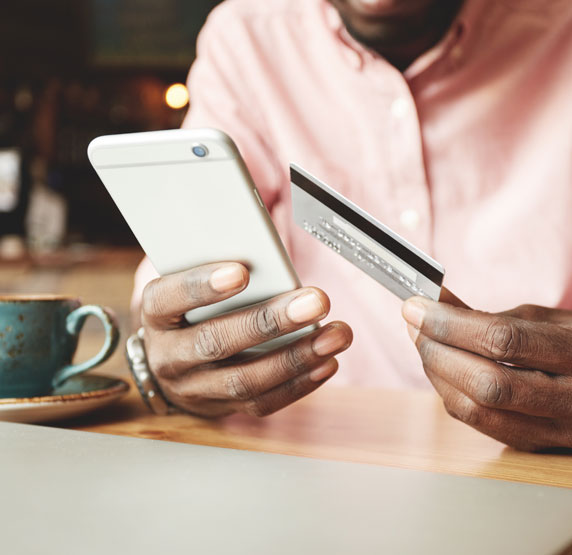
column 200, row 151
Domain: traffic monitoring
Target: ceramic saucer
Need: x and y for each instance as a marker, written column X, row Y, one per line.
column 76, row 396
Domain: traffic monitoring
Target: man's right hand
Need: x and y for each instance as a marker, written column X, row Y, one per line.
column 192, row 363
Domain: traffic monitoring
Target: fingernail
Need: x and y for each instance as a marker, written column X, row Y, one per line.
column 227, row 278
column 413, row 312
column 324, row 371
column 333, row 339
column 304, row 308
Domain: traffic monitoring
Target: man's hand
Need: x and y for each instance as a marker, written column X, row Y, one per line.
column 192, row 365
column 508, row 375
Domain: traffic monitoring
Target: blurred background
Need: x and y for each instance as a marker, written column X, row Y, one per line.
column 71, row 70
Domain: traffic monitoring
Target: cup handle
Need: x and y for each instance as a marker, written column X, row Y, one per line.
column 74, row 324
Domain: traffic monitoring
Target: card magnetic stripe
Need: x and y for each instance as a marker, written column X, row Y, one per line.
column 367, row 227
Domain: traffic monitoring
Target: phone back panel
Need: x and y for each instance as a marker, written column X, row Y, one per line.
column 187, row 211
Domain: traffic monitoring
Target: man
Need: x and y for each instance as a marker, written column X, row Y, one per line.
column 449, row 121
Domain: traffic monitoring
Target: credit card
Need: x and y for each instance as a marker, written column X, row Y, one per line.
column 357, row 236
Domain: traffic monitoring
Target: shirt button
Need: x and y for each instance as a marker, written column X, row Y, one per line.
column 410, row 219
column 400, row 107
column 355, row 59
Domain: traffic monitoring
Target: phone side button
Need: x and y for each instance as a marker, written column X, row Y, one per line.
column 257, row 194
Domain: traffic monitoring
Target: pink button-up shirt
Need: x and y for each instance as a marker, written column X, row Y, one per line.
column 468, row 153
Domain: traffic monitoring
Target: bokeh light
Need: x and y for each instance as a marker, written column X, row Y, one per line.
column 177, row 96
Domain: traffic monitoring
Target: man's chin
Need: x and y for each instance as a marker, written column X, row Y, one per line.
column 373, row 32
column 376, row 9
column 377, row 23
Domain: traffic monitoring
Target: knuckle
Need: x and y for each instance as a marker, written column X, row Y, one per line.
column 292, row 390
column 468, row 412
column 426, row 348
column 294, row 360
column 265, row 405
column 439, row 328
column 263, row 322
column 239, row 387
column 158, row 364
column 161, row 369
column 491, row 388
column 152, row 302
column 503, row 339
column 209, row 342
column 454, row 411
column 451, row 411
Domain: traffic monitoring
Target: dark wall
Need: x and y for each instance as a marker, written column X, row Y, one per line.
column 40, row 37
column 71, row 70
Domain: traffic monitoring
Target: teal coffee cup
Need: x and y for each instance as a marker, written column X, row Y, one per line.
column 38, row 339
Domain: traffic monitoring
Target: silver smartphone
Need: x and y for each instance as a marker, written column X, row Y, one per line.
column 189, row 199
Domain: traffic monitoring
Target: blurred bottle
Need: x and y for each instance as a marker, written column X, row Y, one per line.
column 47, row 212
column 16, row 104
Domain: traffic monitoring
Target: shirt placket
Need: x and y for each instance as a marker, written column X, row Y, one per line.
column 407, row 168
column 403, row 170
column 403, row 166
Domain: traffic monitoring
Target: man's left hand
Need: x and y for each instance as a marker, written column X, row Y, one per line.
column 509, row 375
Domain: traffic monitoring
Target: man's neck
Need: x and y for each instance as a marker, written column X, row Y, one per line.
column 419, row 37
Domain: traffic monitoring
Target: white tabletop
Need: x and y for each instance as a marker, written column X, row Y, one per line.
column 67, row 491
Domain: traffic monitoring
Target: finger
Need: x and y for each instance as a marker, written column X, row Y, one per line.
column 290, row 391
column 166, row 299
column 500, row 338
column 449, row 298
column 263, row 405
column 536, row 313
column 243, row 382
column 523, row 432
column 172, row 353
column 497, row 386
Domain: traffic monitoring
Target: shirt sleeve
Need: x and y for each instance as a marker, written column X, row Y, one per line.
column 222, row 96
